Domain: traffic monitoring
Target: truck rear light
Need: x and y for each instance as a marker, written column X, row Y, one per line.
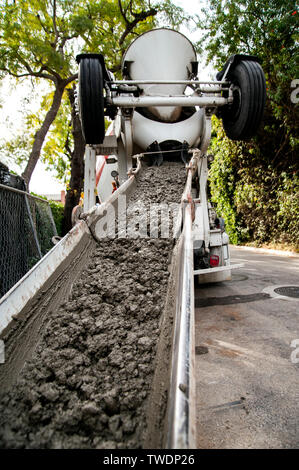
column 214, row 261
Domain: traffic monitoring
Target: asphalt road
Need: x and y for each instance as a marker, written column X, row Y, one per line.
column 247, row 366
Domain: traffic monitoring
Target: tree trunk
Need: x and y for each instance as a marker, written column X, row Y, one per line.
column 77, row 167
column 42, row 132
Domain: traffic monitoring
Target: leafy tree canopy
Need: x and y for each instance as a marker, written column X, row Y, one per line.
column 255, row 184
column 269, row 30
column 40, row 39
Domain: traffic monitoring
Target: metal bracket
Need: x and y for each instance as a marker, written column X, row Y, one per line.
column 108, row 147
column 89, row 178
column 234, row 59
column 218, row 269
column 205, row 141
column 128, row 133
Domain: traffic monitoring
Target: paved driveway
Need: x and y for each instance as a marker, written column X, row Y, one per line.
column 247, row 365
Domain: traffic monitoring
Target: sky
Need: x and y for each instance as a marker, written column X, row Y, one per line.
column 16, row 101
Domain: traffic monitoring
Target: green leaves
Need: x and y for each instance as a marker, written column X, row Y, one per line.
column 33, row 42
column 40, row 39
column 248, row 176
column 259, row 202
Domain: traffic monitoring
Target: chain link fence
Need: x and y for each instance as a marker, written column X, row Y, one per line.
column 26, row 232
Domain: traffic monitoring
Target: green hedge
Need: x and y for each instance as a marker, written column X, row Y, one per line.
column 57, row 211
column 258, row 200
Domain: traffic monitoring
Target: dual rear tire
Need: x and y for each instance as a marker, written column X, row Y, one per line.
column 243, row 117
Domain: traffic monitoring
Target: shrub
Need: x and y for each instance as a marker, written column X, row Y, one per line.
column 259, row 202
column 57, row 209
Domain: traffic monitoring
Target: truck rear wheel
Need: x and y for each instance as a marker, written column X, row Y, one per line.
column 91, row 100
column 242, row 118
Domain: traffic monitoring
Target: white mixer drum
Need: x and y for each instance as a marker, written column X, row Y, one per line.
column 160, row 54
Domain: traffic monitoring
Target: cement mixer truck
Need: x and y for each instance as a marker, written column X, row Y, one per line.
column 101, row 329
column 160, row 110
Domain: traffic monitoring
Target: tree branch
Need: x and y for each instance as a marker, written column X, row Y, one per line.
column 42, row 24
column 130, row 7
column 54, row 22
column 138, row 18
column 30, row 72
column 34, row 74
column 71, row 79
column 68, row 153
column 122, row 11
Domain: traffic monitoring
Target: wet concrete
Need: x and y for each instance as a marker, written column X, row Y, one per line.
column 247, row 380
column 89, row 379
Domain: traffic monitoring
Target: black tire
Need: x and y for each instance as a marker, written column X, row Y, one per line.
column 242, row 119
column 91, row 100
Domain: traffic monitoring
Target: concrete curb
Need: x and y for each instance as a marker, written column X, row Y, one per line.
column 268, row 251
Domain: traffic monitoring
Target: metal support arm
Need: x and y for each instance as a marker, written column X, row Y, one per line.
column 89, row 178
column 147, row 101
